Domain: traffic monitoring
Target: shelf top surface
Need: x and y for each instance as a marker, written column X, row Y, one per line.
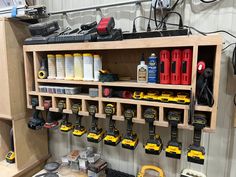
column 176, row 41
column 118, row 84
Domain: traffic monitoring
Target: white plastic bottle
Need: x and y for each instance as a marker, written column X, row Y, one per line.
column 97, row 66
column 51, row 66
column 78, row 67
column 88, row 66
column 142, row 71
column 60, row 63
column 69, row 67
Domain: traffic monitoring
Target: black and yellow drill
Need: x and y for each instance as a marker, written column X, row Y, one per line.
column 113, row 135
column 66, row 126
column 154, row 143
column 174, row 148
column 196, row 152
column 79, row 130
column 130, row 140
column 95, row 134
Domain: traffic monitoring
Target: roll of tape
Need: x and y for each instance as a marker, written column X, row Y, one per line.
column 42, row 74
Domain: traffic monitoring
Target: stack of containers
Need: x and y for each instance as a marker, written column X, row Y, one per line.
column 74, row 67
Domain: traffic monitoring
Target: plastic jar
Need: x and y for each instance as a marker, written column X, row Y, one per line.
column 51, row 66
column 60, row 64
column 97, row 66
column 88, row 66
column 69, row 67
column 78, row 67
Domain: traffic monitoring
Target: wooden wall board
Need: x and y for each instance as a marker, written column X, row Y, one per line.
column 31, row 146
column 5, row 127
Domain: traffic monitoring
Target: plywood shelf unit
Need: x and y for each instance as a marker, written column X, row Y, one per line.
column 122, row 57
column 30, row 147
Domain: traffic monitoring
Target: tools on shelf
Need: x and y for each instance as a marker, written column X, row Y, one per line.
column 174, row 148
column 65, row 126
column 130, row 140
column 112, row 136
column 79, row 130
column 36, row 122
column 196, row 152
column 154, row 143
column 95, row 134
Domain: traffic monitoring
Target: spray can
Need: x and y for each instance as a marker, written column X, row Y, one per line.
column 153, row 69
column 97, row 65
column 78, row 67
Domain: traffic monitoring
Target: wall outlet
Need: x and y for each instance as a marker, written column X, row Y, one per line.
column 165, row 4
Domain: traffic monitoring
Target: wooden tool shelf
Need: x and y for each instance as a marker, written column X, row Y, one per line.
column 122, row 57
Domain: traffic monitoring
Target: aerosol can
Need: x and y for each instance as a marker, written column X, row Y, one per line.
column 153, row 69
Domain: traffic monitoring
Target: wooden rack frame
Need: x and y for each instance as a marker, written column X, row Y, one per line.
column 126, row 50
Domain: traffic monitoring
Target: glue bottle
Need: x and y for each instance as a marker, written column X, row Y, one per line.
column 142, row 71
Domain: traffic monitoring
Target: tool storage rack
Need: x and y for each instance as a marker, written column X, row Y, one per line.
column 122, row 57
column 30, row 147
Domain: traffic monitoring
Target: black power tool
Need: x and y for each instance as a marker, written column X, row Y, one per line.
column 130, row 140
column 113, row 135
column 95, row 134
column 154, row 143
column 36, row 122
column 79, row 130
column 174, row 148
column 196, row 152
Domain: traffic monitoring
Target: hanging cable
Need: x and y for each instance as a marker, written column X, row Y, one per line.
column 208, row 1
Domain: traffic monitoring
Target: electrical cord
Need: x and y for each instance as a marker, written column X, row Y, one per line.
column 171, row 24
column 208, row 1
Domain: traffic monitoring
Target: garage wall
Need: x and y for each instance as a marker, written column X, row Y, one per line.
column 220, row 146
